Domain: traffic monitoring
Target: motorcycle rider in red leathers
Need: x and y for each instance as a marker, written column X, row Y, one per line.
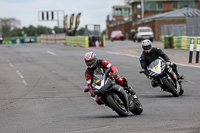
column 98, row 66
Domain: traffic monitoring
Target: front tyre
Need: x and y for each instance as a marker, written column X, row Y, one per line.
column 181, row 89
column 170, row 87
column 117, row 106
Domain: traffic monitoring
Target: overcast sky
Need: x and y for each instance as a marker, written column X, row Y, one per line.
column 93, row 11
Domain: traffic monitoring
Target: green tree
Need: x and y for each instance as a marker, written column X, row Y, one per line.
column 8, row 24
column 42, row 30
column 80, row 32
column 58, row 30
column 16, row 32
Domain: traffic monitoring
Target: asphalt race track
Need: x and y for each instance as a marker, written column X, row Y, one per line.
column 41, row 91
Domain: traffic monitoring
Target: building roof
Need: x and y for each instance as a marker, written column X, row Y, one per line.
column 132, row 1
column 121, row 6
column 179, row 13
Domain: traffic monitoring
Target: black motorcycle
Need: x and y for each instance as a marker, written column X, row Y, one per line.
column 115, row 96
column 159, row 72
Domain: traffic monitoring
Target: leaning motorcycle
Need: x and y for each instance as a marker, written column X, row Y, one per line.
column 159, row 72
column 114, row 96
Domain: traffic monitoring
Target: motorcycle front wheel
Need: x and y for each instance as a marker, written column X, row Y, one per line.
column 181, row 90
column 170, row 87
column 117, row 105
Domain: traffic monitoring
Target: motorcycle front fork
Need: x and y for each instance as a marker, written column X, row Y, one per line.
column 173, row 76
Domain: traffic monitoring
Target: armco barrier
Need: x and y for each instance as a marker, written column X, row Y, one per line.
column 53, row 38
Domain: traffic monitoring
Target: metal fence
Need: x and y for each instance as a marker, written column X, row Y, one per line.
column 193, row 23
column 191, row 28
column 173, row 30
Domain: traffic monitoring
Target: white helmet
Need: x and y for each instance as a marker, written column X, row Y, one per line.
column 147, row 46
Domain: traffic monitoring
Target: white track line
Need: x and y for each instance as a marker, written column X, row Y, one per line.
column 52, row 53
column 139, row 57
column 18, row 73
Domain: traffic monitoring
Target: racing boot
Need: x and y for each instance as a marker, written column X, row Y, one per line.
column 130, row 90
column 179, row 77
column 133, row 93
column 174, row 68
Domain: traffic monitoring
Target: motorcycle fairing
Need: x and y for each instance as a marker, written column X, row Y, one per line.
column 156, row 68
column 117, row 89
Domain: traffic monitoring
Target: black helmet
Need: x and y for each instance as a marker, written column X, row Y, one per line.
column 90, row 59
column 147, row 46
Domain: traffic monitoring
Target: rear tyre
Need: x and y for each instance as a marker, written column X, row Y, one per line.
column 170, row 87
column 115, row 105
column 138, row 109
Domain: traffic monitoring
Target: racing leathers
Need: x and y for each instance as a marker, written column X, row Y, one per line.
column 100, row 68
column 156, row 53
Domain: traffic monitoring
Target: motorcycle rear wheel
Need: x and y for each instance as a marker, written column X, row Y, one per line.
column 113, row 103
column 138, row 109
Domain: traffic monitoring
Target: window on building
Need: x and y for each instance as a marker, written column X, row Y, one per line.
column 182, row 4
column 186, row 4
column 126, row 11
column 160, row 6
column 175, row 5
column 150, row 6
column 135, row 8
column 118, row 11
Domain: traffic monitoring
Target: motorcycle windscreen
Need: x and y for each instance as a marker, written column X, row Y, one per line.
column 106, row 86
column 97, row 79
column 155, row 66
column 154, row 63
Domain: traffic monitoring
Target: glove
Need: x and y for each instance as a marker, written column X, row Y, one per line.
column 114, row 74
column 169, row 63
column 86, row 89
column 91, row 93
column 149, row 77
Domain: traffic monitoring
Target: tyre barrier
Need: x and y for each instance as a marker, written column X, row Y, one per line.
column 190, row 43
column 6, row 42
column 85, row 41
column 77, row 41
column 179, row 42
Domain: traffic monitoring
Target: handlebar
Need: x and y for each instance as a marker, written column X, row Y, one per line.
column 87, row 89
column 96, row 92
column 141, row 72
